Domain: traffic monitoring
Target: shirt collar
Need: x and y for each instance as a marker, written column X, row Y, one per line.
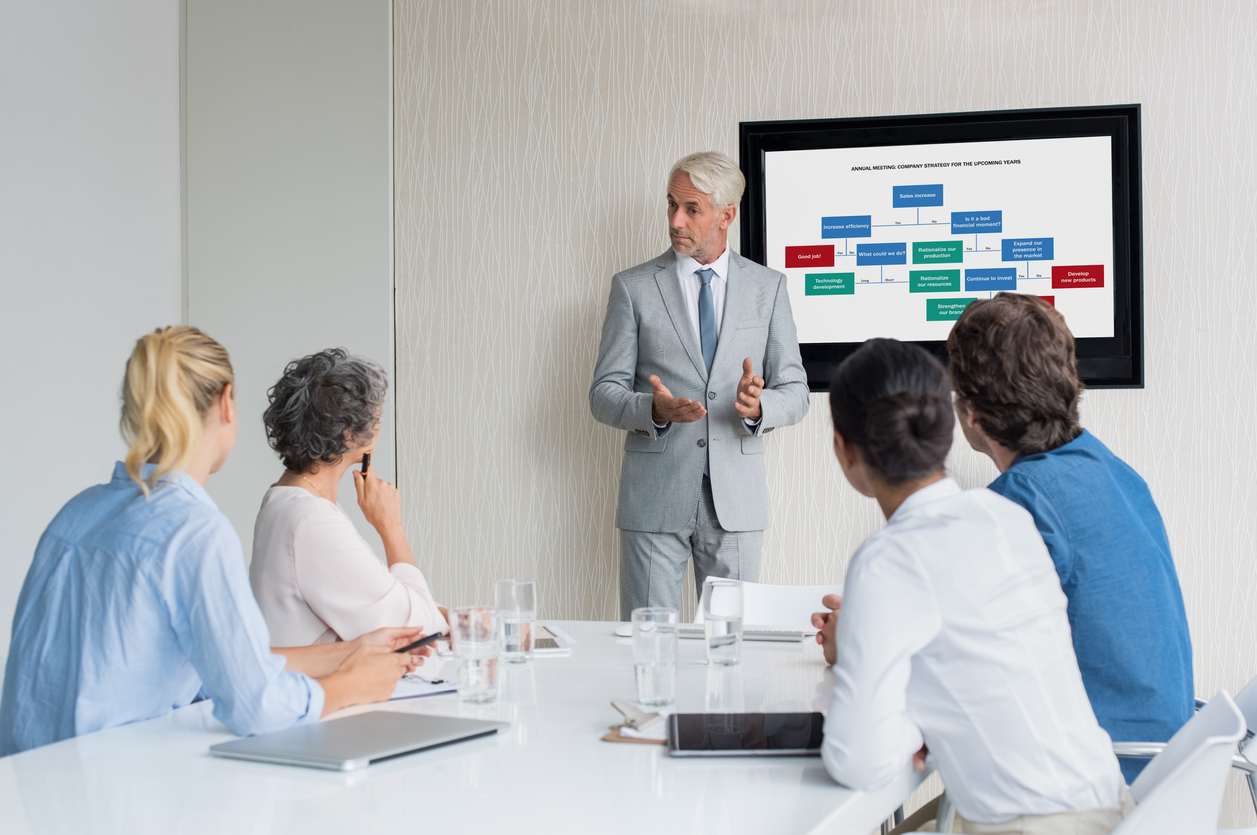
column 177, row 478
column 688, row 266
column 930, row 493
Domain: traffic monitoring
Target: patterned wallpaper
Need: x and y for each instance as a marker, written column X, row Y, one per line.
column 532, row 140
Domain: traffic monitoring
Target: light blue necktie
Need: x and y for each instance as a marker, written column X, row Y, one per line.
column 707, row 333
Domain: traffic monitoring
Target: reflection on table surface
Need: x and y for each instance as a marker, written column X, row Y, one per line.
column 550, row 772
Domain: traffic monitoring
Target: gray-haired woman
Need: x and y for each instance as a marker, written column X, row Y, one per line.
column 314, row 576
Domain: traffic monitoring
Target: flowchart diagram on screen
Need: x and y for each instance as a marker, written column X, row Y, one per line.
column 898, row 240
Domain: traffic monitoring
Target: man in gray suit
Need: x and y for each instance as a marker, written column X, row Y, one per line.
column 683, row 337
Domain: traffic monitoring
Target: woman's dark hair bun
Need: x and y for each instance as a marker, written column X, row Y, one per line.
column 893, row 401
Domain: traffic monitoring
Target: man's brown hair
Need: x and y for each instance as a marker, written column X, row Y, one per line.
column 1011, row 359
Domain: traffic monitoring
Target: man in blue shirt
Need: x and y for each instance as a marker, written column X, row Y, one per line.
column 1013, row 368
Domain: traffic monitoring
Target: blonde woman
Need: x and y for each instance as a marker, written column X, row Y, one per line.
column 137, row 599
column 316, row 579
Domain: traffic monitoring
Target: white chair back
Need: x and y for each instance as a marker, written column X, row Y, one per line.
column 1180, row 791
column 1246, row 701
column 788, row 607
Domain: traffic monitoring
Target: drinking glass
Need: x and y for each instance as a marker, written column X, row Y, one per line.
column 517, row 610
column 722, row 622
column 476, row 641
column 725, row 692
column 655, row 655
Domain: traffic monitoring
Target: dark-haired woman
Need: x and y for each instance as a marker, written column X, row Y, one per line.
column 316, row 579
column 952, row 632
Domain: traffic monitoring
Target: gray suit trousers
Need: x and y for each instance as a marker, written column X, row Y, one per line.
column 652, row 565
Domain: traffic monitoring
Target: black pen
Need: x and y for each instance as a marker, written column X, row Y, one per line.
column 422, row 642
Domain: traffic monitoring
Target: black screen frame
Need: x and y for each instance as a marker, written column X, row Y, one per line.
column 1103, row 362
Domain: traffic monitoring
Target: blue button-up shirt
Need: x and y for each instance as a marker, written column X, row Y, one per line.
column 1105, row 535
column 132, row 607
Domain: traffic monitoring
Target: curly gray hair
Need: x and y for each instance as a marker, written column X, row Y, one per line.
column 320, row 403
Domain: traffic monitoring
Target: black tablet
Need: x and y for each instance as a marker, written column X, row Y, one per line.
column 745, row 734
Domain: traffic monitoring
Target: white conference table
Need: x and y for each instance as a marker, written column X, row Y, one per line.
column 549, row 773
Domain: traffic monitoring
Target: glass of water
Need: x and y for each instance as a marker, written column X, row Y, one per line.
column 517, row 610
column 476, row 641
column 722, row 621
column 655, row 655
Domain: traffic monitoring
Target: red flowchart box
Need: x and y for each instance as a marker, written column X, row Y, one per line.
column 1049, row 299
column 821, row 255
column 1067, row 278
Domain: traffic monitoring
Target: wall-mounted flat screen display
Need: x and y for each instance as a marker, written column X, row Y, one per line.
column 892, row 226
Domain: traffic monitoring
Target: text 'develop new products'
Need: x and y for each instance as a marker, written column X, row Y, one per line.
column 897, row 240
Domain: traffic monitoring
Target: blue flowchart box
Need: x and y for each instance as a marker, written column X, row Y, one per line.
column 872, row 255
column 908, row 196
column 1027, row 249
column 976, row 223
column 991, row 278
column 847, row 226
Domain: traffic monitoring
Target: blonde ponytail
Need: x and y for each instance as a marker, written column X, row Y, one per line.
column 173, row 377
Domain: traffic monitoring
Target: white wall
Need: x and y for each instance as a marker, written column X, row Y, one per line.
column 289, row 206
column 89, row 242
column 533, row 139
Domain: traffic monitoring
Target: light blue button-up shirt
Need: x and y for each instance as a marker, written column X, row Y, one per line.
column 131, row 608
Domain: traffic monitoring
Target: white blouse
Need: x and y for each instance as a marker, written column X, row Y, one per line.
column 318, row 581
column 953, row 633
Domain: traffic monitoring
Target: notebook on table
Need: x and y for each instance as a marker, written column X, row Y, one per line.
column 356, row 741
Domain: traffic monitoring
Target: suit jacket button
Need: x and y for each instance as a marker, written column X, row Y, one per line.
column 702, row 443
column 711, row 395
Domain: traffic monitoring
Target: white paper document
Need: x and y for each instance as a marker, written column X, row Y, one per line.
column 413, row 687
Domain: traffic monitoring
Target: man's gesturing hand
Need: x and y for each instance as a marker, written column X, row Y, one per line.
column 749, row 388
column 669, row 409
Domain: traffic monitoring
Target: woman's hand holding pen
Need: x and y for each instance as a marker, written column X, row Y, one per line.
column 382, row 506
column 369, row 672
column 394, row 638
column 380, row 501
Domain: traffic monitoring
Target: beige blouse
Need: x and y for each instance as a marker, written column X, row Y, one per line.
column 318, row 581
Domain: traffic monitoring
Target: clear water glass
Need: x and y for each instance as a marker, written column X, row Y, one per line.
column 516, row 601
column 655, row 655
column 475, row 638
column 722, row 622
column 725, row 691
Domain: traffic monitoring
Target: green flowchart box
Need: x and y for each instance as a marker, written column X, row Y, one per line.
column 829, row 284
column 933, row 281
column 945, row 310
column 938, row 252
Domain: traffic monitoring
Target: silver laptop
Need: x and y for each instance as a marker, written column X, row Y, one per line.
column 356, row 741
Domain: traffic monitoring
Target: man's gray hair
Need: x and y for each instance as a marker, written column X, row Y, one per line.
column 715, row 175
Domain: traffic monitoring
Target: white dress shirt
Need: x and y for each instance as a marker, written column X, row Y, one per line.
column 953, row 633
column 692, row 285
column 318, row 581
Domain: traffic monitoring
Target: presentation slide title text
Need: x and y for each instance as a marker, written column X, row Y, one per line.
column 959, row 164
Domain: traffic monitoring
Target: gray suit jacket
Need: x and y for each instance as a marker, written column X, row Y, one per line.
column 649, row 331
